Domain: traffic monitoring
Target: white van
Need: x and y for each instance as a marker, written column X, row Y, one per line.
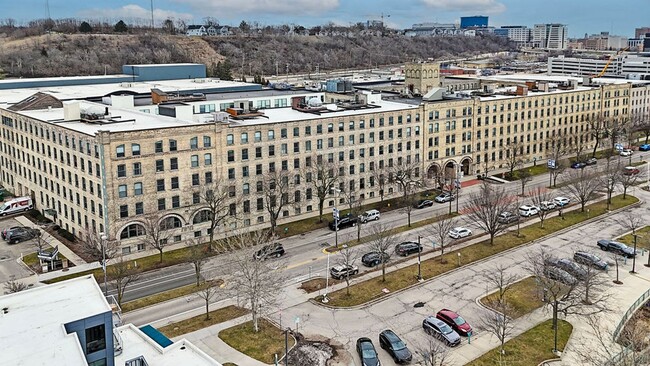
column 369, row 216
column 16, row 205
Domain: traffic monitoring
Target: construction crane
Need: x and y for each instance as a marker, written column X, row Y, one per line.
column 611, row 58
column 381, row 16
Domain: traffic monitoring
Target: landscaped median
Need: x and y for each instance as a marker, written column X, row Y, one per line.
column 529, row 348
column 363, row 292
column 262, row 345
column 643, row 238
column 164, row 296
column 522, row 296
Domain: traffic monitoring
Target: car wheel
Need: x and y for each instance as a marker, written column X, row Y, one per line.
column 376, row 263
column 354, row 224
column 278, row 255
column 603, row 248
column 376, row 218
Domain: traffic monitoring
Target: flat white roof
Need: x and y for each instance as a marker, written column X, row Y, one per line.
column 136, row 343
column 68, row 92
column 32, row 329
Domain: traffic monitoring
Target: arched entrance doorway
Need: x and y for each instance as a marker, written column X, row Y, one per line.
column 465, row 166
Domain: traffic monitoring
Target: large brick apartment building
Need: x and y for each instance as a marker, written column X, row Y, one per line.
column 104, row 157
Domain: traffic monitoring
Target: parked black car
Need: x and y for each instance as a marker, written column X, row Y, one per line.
column 397, row 349
column 559, row 275
column 437, row 328
column 589, row 259
column 373, row 259
column 423, row 204
column 616, row 247
column 367, row 352
column 407, row 248
column 6, row 231
column 570, row 267
column 22, row 234
column 343, row 222
column 341, row 271
column 269, row 251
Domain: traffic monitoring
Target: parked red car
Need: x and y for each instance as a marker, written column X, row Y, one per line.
column 455, row 321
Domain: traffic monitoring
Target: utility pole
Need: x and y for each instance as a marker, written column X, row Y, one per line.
column 152, row 24
column 419, row 260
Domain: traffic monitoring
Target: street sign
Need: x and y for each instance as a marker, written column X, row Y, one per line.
column 618, row 147
column 551, row 164
column 335, row 212
column 457, row 183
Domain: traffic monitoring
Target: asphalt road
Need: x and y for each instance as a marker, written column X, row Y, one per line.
column 304, row 257
column 10, row 253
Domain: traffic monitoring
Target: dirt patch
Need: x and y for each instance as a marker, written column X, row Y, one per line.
column 318, row 351
column 317, row 284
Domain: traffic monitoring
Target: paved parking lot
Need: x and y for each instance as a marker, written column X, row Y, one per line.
column 9, row 254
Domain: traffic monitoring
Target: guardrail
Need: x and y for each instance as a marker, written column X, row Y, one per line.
column 619, row 328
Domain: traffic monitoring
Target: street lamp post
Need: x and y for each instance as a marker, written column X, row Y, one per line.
column 336, row 220
column 327, row 280
column 419, row 260
column 634, row 256
column 103, row 237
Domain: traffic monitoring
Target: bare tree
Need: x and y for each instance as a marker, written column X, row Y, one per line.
column 617, row 259
column 541, row 198
column 277, row 195
column 525, row 176
column 382, row 242
column 485, row 206
column 562, row 292
column 498, row 277
column 406, row 176
column 513, row 152
column 197, row 255
column 208, row 292
column 599, row 131
column 321, row 175
column 12, row 285
column 628, row 179
column 256, row 283
column 610, row 178
column 380, row 177
column 122, row 274
column 600, row 347
column 581, row 184
column 558, row 150
column 641, row 123
column 346, row 258
column 91, row 245
column 214, row 201
column 434, row 353
column 440, row 232
column 355, row 205
column 157, row 232
column 499, row 323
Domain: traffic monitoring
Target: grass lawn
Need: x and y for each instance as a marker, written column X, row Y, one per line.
column 32, row 261
column 642, row 238
column 363, row 292
column 522, row 296
column 261, row 346
column 393, row 231
column 162, row 296
column 529, row 348
column 198, row 322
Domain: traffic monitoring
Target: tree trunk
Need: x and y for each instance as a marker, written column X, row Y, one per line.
column 624, row 192
column 491, row 238
column 198, row 276
column 207, row 309
column 321, row 203
column 555, row 305
column 409, row 217
column 161, row 253
column 383, row 271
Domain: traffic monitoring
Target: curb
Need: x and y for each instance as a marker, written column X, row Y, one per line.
column 545, row 237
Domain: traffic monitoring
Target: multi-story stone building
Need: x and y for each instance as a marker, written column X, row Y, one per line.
column 109, row 164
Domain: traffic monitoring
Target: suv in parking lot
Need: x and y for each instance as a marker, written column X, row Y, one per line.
column 369, row 216
column 440, row 330
column 570, row 267
column 589, row 259
column 343, row 222
column 342, row 271
column 616, row 247
column 22, row 234
column 528, row 210
column 6, row 231
column 374, row 258
column 408, row 247
column 507, row 217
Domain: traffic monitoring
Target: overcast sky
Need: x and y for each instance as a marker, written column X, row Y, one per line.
column 582, row 16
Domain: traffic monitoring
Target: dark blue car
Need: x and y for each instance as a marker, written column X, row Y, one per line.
column 578, row 165
column 644, row 147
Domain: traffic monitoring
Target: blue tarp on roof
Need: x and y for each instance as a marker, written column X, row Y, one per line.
column 158, row 337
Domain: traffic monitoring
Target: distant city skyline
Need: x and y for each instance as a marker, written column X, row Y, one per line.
column 581, row 16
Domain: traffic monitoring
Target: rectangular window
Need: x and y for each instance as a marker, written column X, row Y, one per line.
column 172, row 145
column 95, row 339
column 137, row 189
column 194, row 143
column 137, row 168
column 121, row 171
column 121, row 189
column 196, row 198
column 120, row 151
column 160, row 165
column 160, row 185
column 244, row 154
column 159, row 147
column 173, row 163
column 161, row 204
column 195, row 179
column 139, row 208
column 207, row 159
column 124, row 211
column 207, row 141
column 175, row 183
column 176, row 202
column 135, row 149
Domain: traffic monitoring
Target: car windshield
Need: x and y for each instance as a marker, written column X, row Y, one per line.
column 4, row 207
column 368, row 351
column 398, row 345
column 445, row 329
column 459, row 320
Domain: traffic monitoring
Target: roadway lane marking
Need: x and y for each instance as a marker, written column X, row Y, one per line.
column 303, row 263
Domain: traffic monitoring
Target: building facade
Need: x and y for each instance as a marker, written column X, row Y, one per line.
column 550, row 36
column 477, row 21
column 112, row 167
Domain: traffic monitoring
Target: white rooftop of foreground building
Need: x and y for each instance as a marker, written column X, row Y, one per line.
column 137, row 344
column 32, row 322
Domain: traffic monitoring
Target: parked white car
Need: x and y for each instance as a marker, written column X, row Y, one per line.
column 528, row 210
column 370, row 215
column 459, row 232
column 626, row 152
column 546, row 205
column 561, row 201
